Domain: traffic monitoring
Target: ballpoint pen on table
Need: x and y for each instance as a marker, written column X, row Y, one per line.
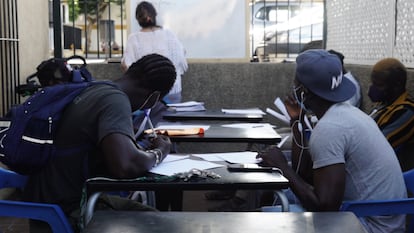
column 147, row 114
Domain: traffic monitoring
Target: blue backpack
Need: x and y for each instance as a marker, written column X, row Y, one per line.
column 28, row 130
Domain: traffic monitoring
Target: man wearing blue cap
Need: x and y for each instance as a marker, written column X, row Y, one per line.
column 348, row 157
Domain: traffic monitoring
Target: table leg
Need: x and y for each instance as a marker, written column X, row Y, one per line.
column 151, row 198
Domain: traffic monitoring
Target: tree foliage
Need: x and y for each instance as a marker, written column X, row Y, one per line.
column 92, row 10
column 89, row 8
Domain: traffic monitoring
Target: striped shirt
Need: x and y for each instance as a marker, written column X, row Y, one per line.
column 396, row 122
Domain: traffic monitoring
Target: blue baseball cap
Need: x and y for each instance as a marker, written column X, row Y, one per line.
column 321, row 73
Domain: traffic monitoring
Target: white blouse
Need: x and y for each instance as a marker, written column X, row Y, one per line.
column 160, row 41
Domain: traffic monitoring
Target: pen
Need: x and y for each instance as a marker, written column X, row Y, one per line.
column 280, row 144
column 147, row 114
column 373, row 112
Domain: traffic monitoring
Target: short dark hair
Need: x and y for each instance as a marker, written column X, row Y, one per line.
column 341, row 58
column 153, row 72
column 145, row 14
column 392, row 70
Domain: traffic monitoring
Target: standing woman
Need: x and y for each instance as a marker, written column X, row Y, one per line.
column 152, row 38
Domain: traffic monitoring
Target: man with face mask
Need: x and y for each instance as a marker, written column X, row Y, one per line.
column 350, row 158
column 101, row 118
column 394, row 112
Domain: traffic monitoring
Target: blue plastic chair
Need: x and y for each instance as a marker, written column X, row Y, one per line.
column 50, row 213
column 387, row 207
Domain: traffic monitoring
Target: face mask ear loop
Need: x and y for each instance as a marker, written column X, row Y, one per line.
column 302, row 137
column 148, row 99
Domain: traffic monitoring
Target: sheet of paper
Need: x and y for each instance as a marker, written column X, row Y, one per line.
column 240, row 157
column 195, row 108
column 171, row 158
column 281, row 106
column 231, row 157
column 255, row 111
column 183, row 165
column 185, row 104
column 248, row 125
column 212, row 157
column 278, row 115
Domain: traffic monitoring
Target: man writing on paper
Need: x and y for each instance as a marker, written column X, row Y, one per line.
column 351, row 159
column 100, row 117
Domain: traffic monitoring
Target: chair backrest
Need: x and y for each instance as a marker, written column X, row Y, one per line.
column 387, row 207
column 409, row 180
column 10, row 179
column 50, row 213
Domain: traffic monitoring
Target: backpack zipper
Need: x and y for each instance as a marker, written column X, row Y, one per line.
column 50, row 125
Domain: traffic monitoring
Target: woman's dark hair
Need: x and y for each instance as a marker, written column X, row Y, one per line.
column 145, row 14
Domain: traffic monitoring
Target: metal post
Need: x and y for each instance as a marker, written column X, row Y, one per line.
column 57, row 29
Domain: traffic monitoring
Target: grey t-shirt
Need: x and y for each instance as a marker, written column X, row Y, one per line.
column 347, row 135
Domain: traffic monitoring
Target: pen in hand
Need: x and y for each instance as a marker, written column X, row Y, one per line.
column 280, row 144
column 147, row 114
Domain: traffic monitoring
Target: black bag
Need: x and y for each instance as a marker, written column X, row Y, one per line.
column 54, row 71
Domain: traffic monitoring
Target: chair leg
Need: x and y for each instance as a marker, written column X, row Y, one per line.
column 90, row 206
column 284, row 201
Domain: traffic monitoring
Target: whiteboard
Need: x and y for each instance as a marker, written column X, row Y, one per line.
column 208, row 29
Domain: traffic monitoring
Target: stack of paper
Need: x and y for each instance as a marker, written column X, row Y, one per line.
column 189, row 106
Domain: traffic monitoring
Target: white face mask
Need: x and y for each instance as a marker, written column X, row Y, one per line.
column 300, row 101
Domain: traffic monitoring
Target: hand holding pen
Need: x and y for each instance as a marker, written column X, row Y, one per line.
column 147, row 114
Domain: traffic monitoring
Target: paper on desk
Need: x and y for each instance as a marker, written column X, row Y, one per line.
column 190, row 106
column 255, row 111
column 172, row 158
column 185, row 104
column 241, row 157
column 183, row 165
column 249, row 125
column 212, row 157
column 231, row 157
column 195, row 108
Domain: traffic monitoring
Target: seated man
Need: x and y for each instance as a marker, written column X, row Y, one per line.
column 395, row 111
column 351, row 159
column 101, row 118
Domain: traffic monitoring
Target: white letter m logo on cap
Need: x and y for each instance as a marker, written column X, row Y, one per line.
column 336, row 81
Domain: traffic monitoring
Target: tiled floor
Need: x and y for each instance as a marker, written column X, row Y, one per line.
column 13, row 225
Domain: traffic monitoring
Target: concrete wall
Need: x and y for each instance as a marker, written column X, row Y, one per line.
column 242, row 85
column 33, row 21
